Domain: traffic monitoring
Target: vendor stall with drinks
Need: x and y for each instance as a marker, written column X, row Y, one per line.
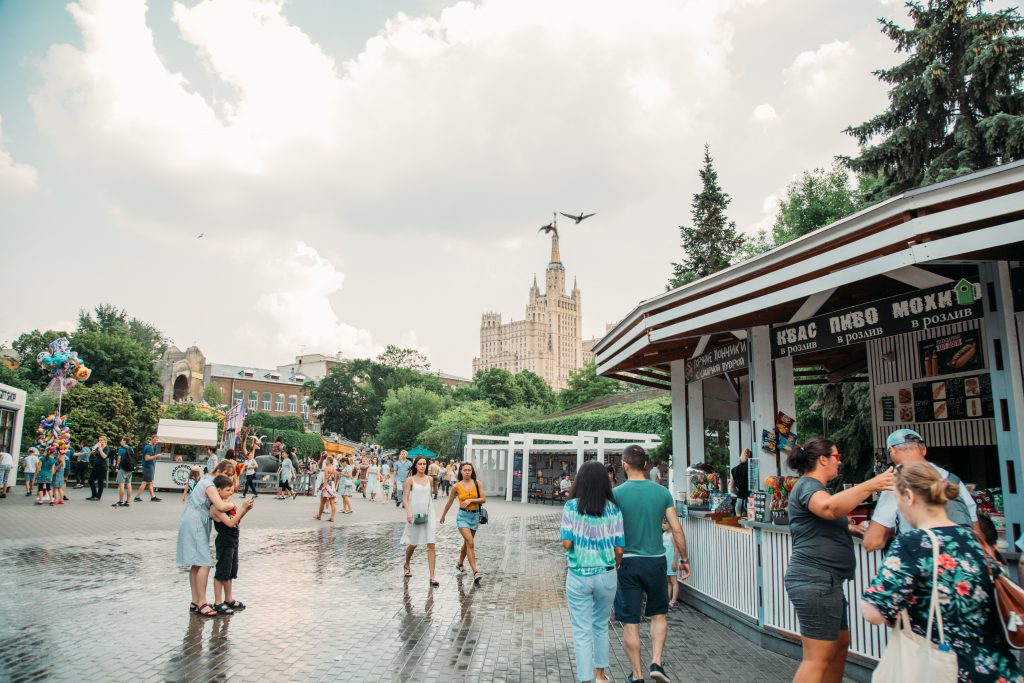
column 918, row 299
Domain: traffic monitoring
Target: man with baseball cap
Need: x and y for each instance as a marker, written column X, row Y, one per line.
column 905, row 446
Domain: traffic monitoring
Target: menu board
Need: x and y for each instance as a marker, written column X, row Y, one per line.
column 950, row 353
column 963, row 397
column 953, row 398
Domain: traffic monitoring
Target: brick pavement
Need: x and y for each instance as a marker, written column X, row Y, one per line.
column 90, row 593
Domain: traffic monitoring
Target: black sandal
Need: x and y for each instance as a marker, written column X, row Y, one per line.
column 201, row 610
column 235, row 605
column 223, row 608
column 435, row 583
column 192, row 607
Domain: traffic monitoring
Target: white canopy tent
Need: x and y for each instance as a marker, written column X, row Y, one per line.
column 187, row 432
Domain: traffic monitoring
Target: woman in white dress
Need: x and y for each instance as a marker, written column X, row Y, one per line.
column 420, row 518
column 373, row 479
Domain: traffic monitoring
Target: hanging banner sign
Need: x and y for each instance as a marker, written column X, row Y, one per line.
column 909, row 312
column 717, row 361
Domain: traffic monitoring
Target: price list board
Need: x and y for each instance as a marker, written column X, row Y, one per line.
column 953, row 398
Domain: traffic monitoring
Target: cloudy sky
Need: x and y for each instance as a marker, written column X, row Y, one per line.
column 367, row 172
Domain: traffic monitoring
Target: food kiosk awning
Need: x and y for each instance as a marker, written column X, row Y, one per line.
column 924, row 238
column 187, row 432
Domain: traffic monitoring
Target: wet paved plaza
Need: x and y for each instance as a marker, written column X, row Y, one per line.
column 91, row 594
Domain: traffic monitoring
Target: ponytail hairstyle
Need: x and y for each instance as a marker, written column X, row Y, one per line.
column 926, row 483
column 804, row 458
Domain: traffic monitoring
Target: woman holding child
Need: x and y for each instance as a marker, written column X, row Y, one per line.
column 194, row 535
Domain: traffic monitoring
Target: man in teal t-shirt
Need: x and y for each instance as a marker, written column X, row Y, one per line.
column 644, row 505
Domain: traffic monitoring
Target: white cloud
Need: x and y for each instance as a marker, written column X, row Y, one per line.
column 819, row 71
column 764, row 114
column 769, row 210
column 15, row 178
column 503, row 85
column 295, row 310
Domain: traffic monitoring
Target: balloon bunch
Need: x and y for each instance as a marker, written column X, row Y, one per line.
column 54, row 434
column 63, row 364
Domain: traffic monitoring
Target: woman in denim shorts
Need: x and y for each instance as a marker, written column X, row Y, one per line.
column 822, row 559
column 471, row 496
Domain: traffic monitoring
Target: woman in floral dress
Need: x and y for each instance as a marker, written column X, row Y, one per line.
column 966, row 597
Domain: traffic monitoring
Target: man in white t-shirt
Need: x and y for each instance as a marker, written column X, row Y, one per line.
column 905, row 447
column 6, row 465
column 655, row 475
column 31, row 467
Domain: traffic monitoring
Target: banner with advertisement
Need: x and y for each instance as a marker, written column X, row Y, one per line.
column 951, row 353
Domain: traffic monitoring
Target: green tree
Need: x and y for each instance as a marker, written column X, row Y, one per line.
column 820, row 197
column 213, row 395
column 342, row 401
column 955, row 104
column 498, row 387
column 584, row 385
column 711, row 241
column 117, row 359
column 395, row 357
column 37, row 406
column 16, row 378
column 407, row 412
column 99, row 409
column 111, row 319
column 535, row 390
column 148, row 417
column 442, row 435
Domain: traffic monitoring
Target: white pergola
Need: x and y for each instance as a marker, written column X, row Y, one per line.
column 494, row 456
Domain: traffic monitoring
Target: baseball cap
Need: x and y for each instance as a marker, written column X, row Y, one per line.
column 33, row 450
column 901, row 436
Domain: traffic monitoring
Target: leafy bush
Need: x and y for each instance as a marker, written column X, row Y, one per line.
column 648, row 417
column 268, row 421
column 307, row 445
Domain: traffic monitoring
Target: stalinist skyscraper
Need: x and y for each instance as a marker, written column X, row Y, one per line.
column 548, row 341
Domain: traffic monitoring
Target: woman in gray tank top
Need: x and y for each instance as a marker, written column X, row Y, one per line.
column 822, row 558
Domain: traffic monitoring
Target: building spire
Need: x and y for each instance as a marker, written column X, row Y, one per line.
column 556, row 254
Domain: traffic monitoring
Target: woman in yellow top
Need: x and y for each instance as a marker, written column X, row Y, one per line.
column 471, row 496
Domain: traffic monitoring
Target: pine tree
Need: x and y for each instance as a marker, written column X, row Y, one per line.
column 711, row 241
column 955, row 105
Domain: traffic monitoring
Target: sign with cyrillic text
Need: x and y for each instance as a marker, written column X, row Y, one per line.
column 909, row 312
column 717, row 361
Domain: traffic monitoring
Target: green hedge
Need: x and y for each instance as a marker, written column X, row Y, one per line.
column 307, row 445
column 278, row 422
column 649, row 417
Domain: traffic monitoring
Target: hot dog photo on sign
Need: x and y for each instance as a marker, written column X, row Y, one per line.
column 951, row 353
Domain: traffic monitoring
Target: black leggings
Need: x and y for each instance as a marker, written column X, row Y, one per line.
column 97, row 482
column 250, row 483
column 81, row 468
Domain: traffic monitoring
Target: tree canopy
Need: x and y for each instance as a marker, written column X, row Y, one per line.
column 955, row 104
column 710, row 242
column 584, row 386
column 407, row 412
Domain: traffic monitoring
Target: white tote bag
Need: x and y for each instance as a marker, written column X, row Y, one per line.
column 910, row 657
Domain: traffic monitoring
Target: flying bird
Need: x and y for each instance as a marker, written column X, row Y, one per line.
column 581, row 217
column 549, row 228
column 200, row 235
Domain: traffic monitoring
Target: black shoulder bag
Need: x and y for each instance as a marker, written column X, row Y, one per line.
column 479, row 506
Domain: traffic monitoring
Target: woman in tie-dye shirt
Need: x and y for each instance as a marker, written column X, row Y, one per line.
column 592, row 534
